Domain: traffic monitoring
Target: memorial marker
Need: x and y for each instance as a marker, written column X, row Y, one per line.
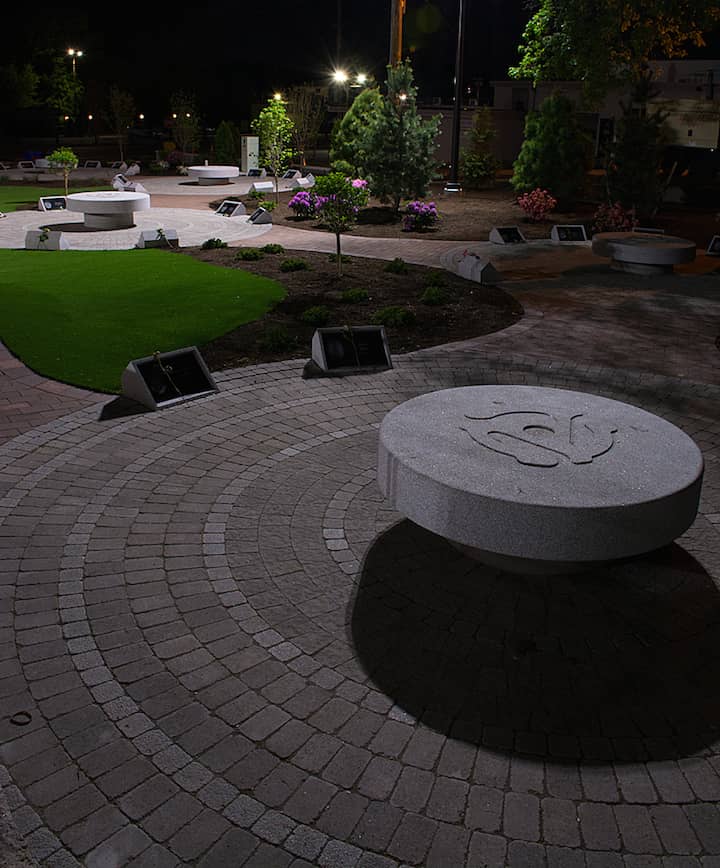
column 507, row 235
column 228, row 208
column 52, row 203
column 260, row 216
column 351, row 350
column 165, row 379
column 568, row 234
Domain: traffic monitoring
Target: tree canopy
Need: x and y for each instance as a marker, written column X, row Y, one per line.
column 347, row 152
column 274, row 128
column 607, row 44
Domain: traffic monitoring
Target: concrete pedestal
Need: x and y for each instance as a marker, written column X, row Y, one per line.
column 539, row 480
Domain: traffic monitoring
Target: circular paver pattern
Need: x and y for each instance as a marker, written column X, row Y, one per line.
column 193, row 227
column 231, row 650
column 542, row 479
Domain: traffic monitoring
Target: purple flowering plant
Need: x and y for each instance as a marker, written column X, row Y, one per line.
column 419, row 216
column 612, row 217
column 304, row 204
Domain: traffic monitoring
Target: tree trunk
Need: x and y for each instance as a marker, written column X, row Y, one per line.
column 66, row 178
column 338, row 253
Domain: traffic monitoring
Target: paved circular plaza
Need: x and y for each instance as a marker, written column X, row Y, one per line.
column 222, row 647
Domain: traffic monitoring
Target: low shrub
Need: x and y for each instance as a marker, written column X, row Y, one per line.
column 420, row 216
column 318, row 315
column 303, row 204
column 213, row 244
column 434, row 295
column 395, row 316
column 294, row 265
column 397, row 266
column 435, row 278
column 332, row 257
column 275, row 339
column 267, row 204
column 537, row 204
column 612, row 217
column 273, row 248
column 249, row 254
column 355, row 296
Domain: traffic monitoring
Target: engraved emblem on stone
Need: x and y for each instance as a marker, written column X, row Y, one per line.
column 540, row 439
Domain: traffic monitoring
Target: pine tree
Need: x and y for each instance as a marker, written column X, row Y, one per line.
column 227, row 144
column 554, row 152
column 398, row 144
column 346, row 152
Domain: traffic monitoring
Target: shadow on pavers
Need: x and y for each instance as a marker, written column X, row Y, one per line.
column 600, row 665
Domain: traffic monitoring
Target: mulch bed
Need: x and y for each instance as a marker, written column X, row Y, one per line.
column 471, row 309
column 469, row 216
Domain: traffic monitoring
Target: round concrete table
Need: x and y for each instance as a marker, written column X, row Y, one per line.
column 643, row 252
column 108, row 209
column 539, row 480
column 207, row 175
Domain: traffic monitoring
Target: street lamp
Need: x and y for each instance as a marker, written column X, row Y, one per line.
column 453, row 183
column 74, row 53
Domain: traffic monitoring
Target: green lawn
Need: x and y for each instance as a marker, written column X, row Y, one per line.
column 14, row 196
column 80, row 317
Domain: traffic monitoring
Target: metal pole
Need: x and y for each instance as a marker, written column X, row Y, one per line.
column 453, row 184
column 397, row 11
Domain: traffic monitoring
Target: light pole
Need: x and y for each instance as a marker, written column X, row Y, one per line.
column 453, row 184
column 74, row 53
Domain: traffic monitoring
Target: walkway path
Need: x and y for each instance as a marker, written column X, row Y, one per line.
column 219, row 646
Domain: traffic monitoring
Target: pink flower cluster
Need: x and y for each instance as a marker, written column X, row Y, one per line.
column 612, row 217
column 537, row 204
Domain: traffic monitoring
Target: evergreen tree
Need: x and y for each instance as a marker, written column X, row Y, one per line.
column 274, row 127
column 634, row 160
column 62, row 90
column 346, row 146
column 227, row 144
column 477, row 161
column 398, row 143
column 554, row 152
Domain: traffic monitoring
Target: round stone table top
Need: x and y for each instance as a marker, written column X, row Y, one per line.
column 539, row 473
column 214, row 171
column 645, row 248
column 108, row 202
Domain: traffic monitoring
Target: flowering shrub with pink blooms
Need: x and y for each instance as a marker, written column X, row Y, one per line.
column 537, row 204
column 419, row 216
column 612, row 217
column 303, row 203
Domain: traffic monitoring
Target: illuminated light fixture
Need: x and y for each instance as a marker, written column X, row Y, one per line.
column 90, row 117
column 340, row 76
column 66, row 118
column 277, row 96
column 402, row 97
column 187, row 114
column 174, row 115
column 361, row 78
column 141, row 117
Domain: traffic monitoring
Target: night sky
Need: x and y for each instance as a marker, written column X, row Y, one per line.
column 253, row 49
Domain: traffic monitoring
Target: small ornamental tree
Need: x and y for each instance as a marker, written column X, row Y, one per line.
column 338, row 200
column 306, row 109
column 227, row 144
column 120, row 114
column 553, row 153
column 347, row 152
column 274, row 128
column 184, row 123
column 398, row 144
column 66, row 160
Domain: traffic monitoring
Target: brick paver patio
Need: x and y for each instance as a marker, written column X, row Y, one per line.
column 220, row 647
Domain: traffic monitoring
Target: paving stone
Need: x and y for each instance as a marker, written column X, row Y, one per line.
column 636, row 829
column 674, row 829
column 305, row 842
column 93, row 829
column 118, row 849
column 198, row 835
column 523, row 855
column 598, row 827
column 560, row 822
column 563, row 857
column 346, row 766
column 412, row 839
column 487, row 851
column 705, row 821
column 309, row 800
column 339, row 855
column 171, row 816
column 449, row 847
column 342, row 814
column 521, row 817
column 233, row 848
column 377, row 826
column 274, row 826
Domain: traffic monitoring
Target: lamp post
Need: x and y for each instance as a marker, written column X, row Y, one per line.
column 74, row 53
column 343, row 79
column 453, row 184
